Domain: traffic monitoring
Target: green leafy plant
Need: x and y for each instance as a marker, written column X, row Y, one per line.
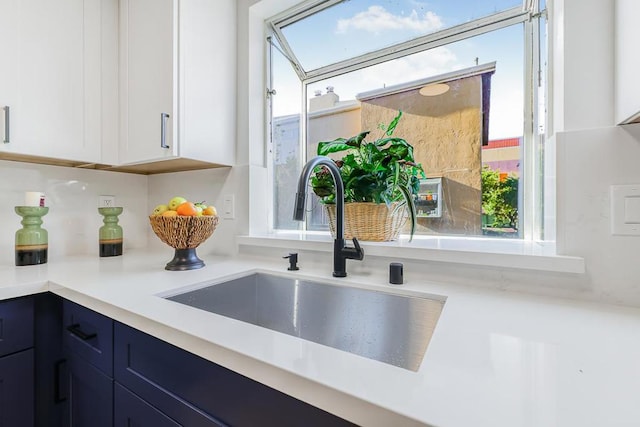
column 500, row 198
column 380, row 171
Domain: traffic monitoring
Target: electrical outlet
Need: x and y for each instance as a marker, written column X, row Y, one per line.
column 106, row 201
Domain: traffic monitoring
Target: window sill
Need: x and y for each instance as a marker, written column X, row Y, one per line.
column 486, row 252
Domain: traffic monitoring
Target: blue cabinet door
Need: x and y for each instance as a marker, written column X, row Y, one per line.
column 48, row 359
column 130, row 410
column 16, row 390
column 89, row 395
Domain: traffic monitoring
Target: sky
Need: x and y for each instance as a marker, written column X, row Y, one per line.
column 357, row 26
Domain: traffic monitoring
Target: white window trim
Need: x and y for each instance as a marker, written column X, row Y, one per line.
column 481, row 251
column 514, row 254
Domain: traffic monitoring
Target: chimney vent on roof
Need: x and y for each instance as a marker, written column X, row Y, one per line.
column 322, row 102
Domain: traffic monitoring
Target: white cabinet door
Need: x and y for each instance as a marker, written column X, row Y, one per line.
column 148, row 65
column 627, row 62
column 178, row 81
column 50, row 78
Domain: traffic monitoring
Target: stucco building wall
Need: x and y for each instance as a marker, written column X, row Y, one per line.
column 446, row 133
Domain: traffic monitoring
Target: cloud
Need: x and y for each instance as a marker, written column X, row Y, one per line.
column 414, row 67
column 377, row 19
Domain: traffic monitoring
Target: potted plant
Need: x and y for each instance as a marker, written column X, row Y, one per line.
column 381, row 179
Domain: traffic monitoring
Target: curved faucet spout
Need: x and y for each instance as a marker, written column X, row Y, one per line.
column 340, row 252
column 301, row 195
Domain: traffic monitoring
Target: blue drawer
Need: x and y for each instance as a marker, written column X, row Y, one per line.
column 130, row 410
column 196, row 392
column 89, row 335
column 16, row 325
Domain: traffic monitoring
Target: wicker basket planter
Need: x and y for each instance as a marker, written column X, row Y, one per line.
column 184, row 234
column 369, row 221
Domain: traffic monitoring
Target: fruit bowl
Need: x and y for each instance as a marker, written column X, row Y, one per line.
column 184, row 234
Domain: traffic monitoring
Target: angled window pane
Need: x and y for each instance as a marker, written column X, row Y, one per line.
column 286, row 104
column 355, row 27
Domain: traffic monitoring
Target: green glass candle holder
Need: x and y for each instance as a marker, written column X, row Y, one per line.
column 110, row 239
column 32, row 241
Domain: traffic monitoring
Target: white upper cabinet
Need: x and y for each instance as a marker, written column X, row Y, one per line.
column 58, row 58
column 177, row 81
column 627, row 62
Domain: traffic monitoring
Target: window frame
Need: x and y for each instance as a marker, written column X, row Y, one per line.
column 531, row 186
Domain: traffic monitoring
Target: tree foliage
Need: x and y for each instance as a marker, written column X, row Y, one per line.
column 500, row 198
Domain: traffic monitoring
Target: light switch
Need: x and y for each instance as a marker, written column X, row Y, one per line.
column 228, row 208
column 625, row 210
column 632, row 210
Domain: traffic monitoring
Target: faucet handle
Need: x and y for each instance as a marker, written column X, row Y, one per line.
column 359, row 250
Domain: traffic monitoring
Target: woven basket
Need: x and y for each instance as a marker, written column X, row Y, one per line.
column 369, row 221
column 183, row 232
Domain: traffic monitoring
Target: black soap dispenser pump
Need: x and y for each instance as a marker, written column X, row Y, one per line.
column 293, row 261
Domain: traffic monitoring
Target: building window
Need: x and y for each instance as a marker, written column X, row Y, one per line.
column 466, row 76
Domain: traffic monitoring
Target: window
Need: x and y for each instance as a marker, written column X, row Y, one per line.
column 466, row 76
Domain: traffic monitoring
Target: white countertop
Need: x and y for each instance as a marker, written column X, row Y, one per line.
column 495, row 358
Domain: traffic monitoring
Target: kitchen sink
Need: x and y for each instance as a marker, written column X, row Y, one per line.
column 387, row 327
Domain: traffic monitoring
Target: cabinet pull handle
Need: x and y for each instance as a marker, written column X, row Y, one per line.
column 58, row 396
column 163, row 130
column 75, row 330
column 7, row 128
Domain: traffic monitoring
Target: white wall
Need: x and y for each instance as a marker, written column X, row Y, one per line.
column 72, row 196
column 592, row 154
column 209, row 185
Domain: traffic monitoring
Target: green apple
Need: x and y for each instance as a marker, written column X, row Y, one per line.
column 200, row 207
column 160, row 209
column 175, row 202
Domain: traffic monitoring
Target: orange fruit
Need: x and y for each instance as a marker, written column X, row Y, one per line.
column 169, row 213
column 187, row 209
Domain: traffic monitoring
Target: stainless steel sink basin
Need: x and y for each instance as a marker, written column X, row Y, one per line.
column 390, row 328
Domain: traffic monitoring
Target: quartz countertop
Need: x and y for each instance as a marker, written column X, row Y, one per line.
column 495, row 358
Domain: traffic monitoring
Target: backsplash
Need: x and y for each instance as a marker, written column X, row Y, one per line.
column 72, row 197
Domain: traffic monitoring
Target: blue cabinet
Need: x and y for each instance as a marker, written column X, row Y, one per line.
column 144, row 381
column 16, row 363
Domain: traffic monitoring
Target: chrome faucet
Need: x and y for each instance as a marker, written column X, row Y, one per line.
column 341, row 252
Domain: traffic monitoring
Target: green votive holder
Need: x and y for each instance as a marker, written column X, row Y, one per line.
column 32, row 241
column 110, row 234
